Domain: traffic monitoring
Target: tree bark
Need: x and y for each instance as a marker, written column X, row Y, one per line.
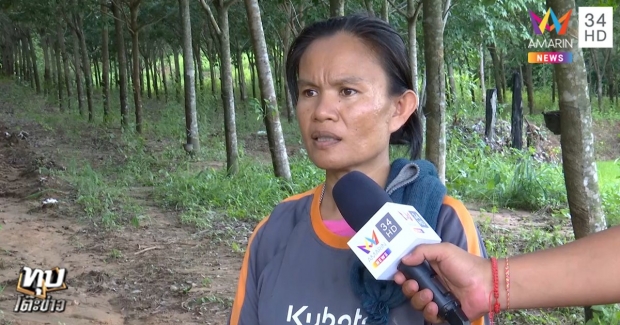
column 413, row 12
column 481, row 74
column 452, row 82
column 33, row 58
column 336, row 8
column 177, row 74
column 435, row 107
column 88, row 76
column 578, row 160
column 228, row 95
column 66, row 71
column 47, row 78
column 271, row 115
column 164, row 81
column 497, row 74
column 59, row 74
column 529, row 84
column 135, row 56
column 78, row 73
column 122, row 64
column 191, row 119
column 105, row 61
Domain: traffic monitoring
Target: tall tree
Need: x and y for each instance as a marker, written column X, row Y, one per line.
column 134, row 29
column 580, row 174
column 122, row 62
column 191, row 122
column 105, row 59
column 271, row 115
column 435, row 108
column 222, row 29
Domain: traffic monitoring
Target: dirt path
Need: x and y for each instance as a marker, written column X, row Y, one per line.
column 161, row 273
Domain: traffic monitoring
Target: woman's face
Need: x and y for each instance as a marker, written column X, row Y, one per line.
column 344, row 111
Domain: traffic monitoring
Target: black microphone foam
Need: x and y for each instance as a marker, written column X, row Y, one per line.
column 358, row 198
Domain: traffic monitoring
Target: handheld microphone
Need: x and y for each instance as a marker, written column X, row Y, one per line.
column 385, row 233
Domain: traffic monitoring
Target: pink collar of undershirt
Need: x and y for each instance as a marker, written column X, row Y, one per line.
column 339, row 227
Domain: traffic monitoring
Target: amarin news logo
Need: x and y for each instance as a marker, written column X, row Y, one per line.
column 540, row 25
column 35, row 284
column 550, row 22
column 369, row 243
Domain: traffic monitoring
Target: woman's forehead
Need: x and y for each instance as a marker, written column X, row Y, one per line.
column 338, row 52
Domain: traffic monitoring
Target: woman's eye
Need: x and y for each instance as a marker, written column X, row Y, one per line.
column 348, row 92
column 308, row 92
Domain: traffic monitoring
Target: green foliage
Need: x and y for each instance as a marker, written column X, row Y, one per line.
column 252, row 193
column 513, row 180
column 609, row 182
column 605, row 315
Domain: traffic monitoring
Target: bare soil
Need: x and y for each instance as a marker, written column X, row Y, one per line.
column 160, row 273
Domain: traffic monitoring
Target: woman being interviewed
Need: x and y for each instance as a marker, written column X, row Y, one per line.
column 351, row 83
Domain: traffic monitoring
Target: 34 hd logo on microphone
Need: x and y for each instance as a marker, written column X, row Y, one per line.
column 389, row 235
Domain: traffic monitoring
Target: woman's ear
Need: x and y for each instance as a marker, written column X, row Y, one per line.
column 405, row 104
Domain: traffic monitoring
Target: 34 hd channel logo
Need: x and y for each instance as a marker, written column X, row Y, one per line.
column 35, row 286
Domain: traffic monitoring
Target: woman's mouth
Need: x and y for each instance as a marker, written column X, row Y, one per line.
column 323, row 139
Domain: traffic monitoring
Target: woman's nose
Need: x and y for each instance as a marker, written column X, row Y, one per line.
column 326, row 107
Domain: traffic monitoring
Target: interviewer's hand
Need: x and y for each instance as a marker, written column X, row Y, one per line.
column 468, row 277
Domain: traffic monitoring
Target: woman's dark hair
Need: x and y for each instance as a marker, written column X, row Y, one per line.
column 391, row 52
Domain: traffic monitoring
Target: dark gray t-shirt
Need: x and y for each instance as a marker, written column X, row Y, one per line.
column 295, row 271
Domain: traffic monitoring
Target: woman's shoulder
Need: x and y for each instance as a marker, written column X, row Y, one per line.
column 290, row 211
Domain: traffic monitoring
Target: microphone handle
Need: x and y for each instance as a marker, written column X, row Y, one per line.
column 449, row 306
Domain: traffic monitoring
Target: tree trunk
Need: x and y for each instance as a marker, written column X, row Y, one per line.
column 452, row 82
column 553, row 84
column 502, row 73
column 242, row 87
column 481, row 73
column 336, row 8
column 435, row 107
column 271, row 116
column 578, row 160
column 135, row 55
column 33, row 58
column 413, row 12
column 191, row 119
column 164, row 81
column 153, row 62
column 147, row 72
column 209, row 53
column 177, row 74
column 78, row 73
column 529, row 84
column 369, row 7
column 105, row 61
column 65, row 64
column 252, row 63
column 122, row 65
column 47, row 78
column 385, row 11
column 497, row 74
column 59, row 74
column 88, row 76
column 199, row 65
column 286, row 40
column 228, row 96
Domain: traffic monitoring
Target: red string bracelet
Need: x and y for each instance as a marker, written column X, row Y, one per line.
column 496, row 308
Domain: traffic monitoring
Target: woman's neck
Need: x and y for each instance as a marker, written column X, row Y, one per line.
column 329, row 210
